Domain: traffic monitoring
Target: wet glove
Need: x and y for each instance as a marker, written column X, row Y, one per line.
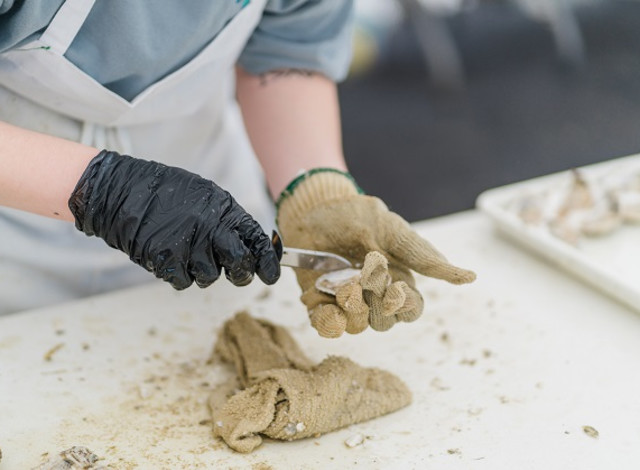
column 173, row 223
column 325, row 210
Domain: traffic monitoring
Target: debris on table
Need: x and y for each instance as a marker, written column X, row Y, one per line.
column 591, row 431
column 77, row 457
column 354, row 441
column 48, row 356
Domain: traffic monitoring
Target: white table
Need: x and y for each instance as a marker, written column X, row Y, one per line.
column 505, row 372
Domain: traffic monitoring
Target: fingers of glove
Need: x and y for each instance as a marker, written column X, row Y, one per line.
column 349, row 298
column 235, row 257
column 412, row 308
column 404, row 244
column 204, row 272
column 374, row 275
column 383, row 299
column 357, row 323
column 388, row 303
column 268, row 268
column 351, row 314
column 260, row 246
column 394, row 298
column 377, row 319
column 169, row 268
column 329, row 320
column 239, row 277
column 313, row 297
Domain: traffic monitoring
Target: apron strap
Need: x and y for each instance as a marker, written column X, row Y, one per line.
column 65, row 24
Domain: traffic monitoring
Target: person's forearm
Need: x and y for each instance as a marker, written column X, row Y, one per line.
column 293, row 121
column 38, row 172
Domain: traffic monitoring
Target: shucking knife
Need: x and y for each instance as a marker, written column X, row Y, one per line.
column 308, row 259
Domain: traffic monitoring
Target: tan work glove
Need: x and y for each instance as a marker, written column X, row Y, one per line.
column 325, row 210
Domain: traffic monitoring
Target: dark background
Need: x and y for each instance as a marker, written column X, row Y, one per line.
column 522, row 113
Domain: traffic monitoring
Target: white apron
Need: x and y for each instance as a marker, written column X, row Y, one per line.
column 188, row 119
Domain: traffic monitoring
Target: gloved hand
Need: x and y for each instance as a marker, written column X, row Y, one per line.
column 173, row 223
column 325, row 210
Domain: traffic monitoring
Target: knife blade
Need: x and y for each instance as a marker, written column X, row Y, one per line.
column 308, row 259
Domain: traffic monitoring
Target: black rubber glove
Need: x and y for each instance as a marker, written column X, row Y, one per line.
column 173, row 223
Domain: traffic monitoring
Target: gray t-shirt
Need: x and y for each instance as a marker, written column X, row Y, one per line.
column 128, row 45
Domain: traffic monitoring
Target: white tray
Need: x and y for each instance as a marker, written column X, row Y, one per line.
column 610, row 263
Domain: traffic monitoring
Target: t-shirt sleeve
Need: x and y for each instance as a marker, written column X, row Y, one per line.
column 310, row 35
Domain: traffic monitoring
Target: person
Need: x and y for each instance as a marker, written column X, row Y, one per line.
column 141, row 124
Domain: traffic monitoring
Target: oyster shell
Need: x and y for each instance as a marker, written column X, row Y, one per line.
column 331, row 281
column 591, row 207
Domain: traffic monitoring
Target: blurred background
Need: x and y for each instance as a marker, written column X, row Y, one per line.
column 447, row 98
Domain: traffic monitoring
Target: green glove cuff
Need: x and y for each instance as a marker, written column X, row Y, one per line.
column 312, row 188
column 288, row 191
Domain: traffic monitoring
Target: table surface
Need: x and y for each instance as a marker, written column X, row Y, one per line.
column 506, row 372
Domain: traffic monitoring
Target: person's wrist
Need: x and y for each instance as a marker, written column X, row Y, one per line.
column 313, row 188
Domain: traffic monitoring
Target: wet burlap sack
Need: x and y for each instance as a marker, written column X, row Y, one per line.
column 324, row 210
column 281, row 394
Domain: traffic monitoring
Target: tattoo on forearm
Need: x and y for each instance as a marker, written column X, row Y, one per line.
column 267, row 77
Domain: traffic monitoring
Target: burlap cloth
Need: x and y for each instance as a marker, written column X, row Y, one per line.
column 281, row 394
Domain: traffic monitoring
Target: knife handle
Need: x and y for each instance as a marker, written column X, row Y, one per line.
column 276, row 241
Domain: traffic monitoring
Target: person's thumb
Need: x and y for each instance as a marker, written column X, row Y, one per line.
column 410, row 249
